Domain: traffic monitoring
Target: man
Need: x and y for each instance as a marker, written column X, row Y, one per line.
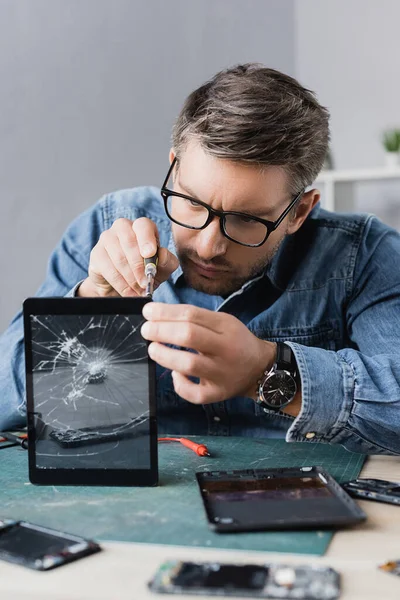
column 272, row 317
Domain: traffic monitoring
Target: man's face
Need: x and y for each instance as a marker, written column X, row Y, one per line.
column 211, row 263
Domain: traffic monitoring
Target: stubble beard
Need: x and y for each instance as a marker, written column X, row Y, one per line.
column 229, row 282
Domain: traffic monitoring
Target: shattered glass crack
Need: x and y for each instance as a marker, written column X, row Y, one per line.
column 90, row 380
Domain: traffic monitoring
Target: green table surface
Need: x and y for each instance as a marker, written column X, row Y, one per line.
column 171, row 513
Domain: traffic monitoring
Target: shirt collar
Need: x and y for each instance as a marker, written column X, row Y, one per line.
column 284, row 262
column 171, row 247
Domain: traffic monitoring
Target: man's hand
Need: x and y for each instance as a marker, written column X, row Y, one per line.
column 116, row 262
column 229, row 359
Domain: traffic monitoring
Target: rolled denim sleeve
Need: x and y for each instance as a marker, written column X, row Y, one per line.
column 352, row 396
column 68, row 266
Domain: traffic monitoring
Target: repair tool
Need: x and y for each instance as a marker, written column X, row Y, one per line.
column 150, row 270
column 199, row 449
column 16, row 439
column 393, row 567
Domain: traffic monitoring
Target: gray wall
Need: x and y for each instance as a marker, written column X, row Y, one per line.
column 348, row 50
column 90, row 89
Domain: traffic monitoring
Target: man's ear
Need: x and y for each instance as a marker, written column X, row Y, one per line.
column 303, row 209
column 172, row 156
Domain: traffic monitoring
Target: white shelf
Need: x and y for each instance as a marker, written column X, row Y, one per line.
column 359, row 174
column 332, row 200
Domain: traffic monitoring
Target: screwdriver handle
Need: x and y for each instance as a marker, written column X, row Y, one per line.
column 199, row 449
column 150, row 265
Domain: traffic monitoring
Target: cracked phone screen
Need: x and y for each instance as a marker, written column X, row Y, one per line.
column 91, row 392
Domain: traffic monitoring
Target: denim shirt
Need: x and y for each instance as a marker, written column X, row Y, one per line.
column 332, row 292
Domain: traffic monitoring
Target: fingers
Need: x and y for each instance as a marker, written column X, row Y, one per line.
column 125, row 259
column 196, row 393
column 146, row 236
column 167, row 264
column 158, row 311
column 148, row 243
column 107, row 278
column 186, row 335
column 125, row 254
column 116, row 262
column 187, row 363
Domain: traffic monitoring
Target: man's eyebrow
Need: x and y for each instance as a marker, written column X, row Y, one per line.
column 260, row 214
column 187, row 190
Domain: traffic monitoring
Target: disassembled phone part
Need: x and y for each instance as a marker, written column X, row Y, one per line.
column 41, row 548
column 393, row 567
column 282, row 498
column 374, row 489
column 255, row 581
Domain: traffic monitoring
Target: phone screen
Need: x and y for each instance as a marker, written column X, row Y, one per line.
column 216, row 576
column 31, row 543
column 251, row 580
column 41, row 548
column 90, row 379
column 285, row 488
column 285, row 498
column 91, row 397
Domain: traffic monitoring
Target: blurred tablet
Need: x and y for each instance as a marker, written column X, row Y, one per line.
column 262, row 499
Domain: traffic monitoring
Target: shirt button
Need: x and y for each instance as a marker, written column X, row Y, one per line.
column 217, row 419
column 310, row 435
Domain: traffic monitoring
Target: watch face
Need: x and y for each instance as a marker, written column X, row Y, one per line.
column 279, row 389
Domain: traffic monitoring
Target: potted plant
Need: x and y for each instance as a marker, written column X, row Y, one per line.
column 391, row 142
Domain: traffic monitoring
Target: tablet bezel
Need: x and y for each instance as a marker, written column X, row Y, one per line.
column 106, row 477
column 355, row 514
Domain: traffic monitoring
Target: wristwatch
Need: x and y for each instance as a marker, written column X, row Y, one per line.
column 278, row 387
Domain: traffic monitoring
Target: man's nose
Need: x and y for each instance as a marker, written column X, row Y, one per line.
column 210, row 242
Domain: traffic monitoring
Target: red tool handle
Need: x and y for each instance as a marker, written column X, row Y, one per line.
column 199, row 449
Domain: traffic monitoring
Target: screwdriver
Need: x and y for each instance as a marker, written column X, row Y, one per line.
column 150, row 270
column 16, row 439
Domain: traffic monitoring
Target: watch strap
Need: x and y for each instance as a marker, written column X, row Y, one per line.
column 285, row 359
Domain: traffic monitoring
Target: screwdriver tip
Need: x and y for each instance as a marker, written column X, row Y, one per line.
column 149, row 289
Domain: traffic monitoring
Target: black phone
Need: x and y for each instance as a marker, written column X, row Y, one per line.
column 254, row 580
column 263, row 499
column 41, row 548
column 374, row 489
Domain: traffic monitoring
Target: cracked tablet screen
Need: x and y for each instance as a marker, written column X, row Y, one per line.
column 90, row 392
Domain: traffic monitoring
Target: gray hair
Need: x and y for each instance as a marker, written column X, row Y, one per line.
column 252, row 114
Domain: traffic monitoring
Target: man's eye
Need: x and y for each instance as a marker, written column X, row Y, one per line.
column 193, row 203
column 246, row 220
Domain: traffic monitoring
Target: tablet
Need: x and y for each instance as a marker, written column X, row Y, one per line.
column 90, row 387
column 262, row 499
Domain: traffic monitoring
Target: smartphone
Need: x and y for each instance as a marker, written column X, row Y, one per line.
column 275, row 499
column 374, row 489
column 252, row 580
column 41, row 548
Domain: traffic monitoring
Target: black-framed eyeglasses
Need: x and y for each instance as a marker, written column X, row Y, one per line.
column 238, row 227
